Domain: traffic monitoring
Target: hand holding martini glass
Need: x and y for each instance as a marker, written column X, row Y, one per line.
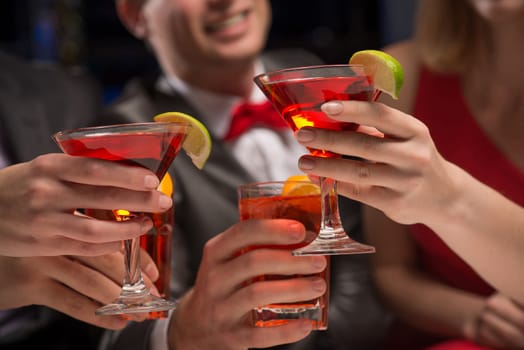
column 150, row 145
column 298, row 94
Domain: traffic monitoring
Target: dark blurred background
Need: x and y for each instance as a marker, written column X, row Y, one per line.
column 88, row 34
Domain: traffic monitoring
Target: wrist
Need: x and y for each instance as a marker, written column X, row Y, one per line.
column 451, row 205
column 175, row 331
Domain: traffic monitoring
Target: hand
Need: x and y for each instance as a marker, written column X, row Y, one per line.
column 37, row 200
column 214, row 314
column 400, row 172
column 500, row 324
column 76, row 286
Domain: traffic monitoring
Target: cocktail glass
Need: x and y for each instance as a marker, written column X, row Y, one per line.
column 298, row 93
column 150, row 145
column 267, row 200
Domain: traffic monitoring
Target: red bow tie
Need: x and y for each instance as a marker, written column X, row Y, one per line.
column 248, row 115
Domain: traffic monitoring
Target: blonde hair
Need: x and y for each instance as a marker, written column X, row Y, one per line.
column 446, row 31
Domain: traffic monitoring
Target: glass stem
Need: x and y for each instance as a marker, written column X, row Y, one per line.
column 133, row 283
column 331, row 225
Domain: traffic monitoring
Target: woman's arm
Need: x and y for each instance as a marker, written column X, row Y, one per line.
column 415, row 297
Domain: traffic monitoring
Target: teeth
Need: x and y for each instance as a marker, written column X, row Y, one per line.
column 228, row 22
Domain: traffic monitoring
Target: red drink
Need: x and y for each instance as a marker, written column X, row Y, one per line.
column 150, row 145
column 298, row 94
column 307, row 210
column 299, row 99
column 152, row 150
column 157, row 243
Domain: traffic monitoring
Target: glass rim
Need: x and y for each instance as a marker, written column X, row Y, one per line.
column 124, row 126
column 258, row 77
column 266, row 183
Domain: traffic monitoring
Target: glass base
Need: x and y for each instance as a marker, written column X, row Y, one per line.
column 340, row 245
column 134, row 304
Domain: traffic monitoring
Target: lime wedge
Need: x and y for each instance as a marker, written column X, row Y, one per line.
column 197, row 144
column 384, row 69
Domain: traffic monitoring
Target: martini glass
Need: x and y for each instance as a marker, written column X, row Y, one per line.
column 298, row 93
column 150, row 145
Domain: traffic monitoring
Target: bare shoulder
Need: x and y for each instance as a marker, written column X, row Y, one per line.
column 406, row 53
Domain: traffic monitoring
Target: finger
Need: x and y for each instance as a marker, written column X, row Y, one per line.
column 291, row 332
column 148, row 266
column 488, row 336
column 355, row 171
column 506, row 309
column 95, row 172
column 227, row 277
column 72, row 303
column 87, row 281
column 111, row 265
column 373, row 114
column 269, row 292
column 252, row 232
column 66, row 246
column 375, row 196
column 88, row 230
column 75, row 195
column 506, row 332
column 356, row 144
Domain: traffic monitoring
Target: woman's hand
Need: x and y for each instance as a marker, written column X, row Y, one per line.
column 499, row 325
column 397, row 168
column 215, row 312
column 37, row 200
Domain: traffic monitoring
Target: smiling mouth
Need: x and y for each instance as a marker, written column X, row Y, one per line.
column 229, row 22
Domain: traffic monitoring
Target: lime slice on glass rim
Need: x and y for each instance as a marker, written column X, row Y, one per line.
column 197, row 144
column 385, row 71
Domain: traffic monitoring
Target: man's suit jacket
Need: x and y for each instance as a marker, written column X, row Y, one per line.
column 206, row 204
column 35, row 102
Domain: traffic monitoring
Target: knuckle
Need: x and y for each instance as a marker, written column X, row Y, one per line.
column 363, row 171
column 251, row 259
column 252, row 293
column 368, row 145
column 42, row 164
column 38, row 194
column 381, row 110
column 93, row 168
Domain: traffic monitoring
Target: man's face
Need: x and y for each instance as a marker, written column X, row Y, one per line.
column 206, row 32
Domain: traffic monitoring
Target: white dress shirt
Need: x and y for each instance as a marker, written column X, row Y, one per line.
column 3, row 158
column 266, row 154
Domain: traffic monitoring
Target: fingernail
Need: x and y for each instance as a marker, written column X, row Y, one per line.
column 305, row 135
column 151, row 271
column 318, row 262
column 306, row 163
column 319, row 285
column 332, row 108
column 151, row 182
column 165, row 202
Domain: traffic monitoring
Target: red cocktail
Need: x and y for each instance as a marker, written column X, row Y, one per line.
column 299, row 100
column 265, row 201
column 298, row 94
column 150, row 145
